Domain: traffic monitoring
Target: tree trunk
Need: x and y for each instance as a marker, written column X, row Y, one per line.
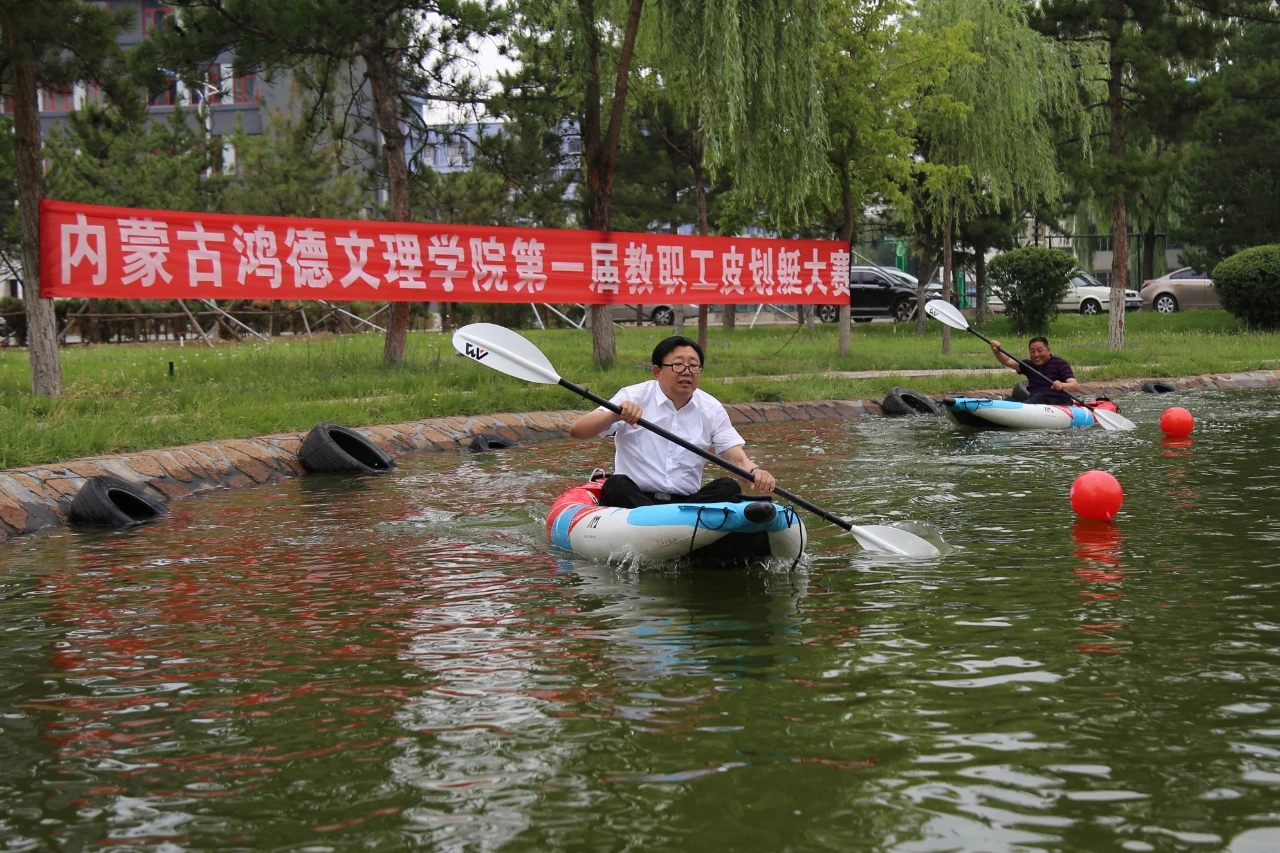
column 1149, row 252
column 704, row 225
column 373, row 49
column 600, row 152
column 846, row 236
column 1119, row 216
column 42, row 324
column 980, row 279
column 926, row 273
column 946, row 276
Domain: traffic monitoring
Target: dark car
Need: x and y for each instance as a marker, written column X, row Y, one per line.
column 876, row 292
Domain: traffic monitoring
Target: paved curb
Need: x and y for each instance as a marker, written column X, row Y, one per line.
column 36, row 498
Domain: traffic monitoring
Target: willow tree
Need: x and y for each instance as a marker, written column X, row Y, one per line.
column 753, row 69
column 989, row 128
column 385, row 57
column 874, row 71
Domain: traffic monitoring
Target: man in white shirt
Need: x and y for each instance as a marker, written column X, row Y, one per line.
column 649, row 469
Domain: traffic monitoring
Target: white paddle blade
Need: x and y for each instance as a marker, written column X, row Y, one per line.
column 891, row 540
column 944, row 312
column 1112, row 420
column 505, row 351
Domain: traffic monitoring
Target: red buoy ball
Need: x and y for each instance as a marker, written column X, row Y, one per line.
column 1176, row 422
column 1096, row 495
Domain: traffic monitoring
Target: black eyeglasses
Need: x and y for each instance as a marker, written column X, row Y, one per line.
column 695, row 369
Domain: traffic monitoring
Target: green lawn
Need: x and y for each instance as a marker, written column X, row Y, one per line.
column 121, row 398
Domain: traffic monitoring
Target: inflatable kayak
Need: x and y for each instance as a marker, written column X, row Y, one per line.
column 1009, row 414
column 727, row 532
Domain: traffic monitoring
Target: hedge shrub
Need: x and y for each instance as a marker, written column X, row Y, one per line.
column 1032, row 281
column 1248, row 285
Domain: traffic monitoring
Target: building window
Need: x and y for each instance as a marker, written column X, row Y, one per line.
column 167, row 96
column 57, row 100
column 244, row 89
column 154, row 15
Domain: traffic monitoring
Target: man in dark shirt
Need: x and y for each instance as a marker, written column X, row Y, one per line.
column 1058, row 378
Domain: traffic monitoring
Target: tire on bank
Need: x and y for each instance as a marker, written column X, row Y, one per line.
column 1156, row 387
column 106, row 501
column 1020, row 392
column 489, row 441
column 334, row 449
column 903, row 402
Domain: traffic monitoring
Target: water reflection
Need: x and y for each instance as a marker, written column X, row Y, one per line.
column 401, row 661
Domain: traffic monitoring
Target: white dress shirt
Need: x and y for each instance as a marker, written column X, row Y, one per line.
column 655, row 464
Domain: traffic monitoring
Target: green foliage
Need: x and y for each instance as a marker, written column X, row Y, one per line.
column 988, row 131
column 285, row 171
column 1248, row 285
column 1232, row 188
column 1032, row 281
column 106, row 156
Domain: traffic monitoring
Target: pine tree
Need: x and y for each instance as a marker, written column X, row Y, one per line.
column 51, row 45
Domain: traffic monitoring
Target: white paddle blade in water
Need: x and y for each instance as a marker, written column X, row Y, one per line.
column 505, row 351
column 891, row 540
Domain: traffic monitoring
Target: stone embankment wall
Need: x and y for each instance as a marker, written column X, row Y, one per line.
column 35, row 498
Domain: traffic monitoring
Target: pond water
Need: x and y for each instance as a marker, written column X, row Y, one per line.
column 332, row 664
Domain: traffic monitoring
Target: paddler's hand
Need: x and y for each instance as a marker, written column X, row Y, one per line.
column 995, row 348
column 630, row 412
column 762, row 481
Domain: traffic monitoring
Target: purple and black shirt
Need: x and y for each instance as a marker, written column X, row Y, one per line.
column 1056, row 370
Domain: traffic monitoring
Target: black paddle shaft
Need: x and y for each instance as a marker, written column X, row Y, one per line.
column 1025, row 364
column 707, row 455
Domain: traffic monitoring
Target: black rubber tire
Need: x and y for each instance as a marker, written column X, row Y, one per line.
column 828, row 313
column 488, row 441
column 1156, row 387
column 903, row 401
column 901, row 311
column 1090, row 307
column 1020, row 391
column 334, row 449
column 107, row 501
column 663, row 316
column 1165, row 303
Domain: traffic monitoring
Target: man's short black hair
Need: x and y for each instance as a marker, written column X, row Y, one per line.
column 1039, row 339
column 662, row 350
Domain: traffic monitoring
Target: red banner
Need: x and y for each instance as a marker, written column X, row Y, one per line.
column 94, row 251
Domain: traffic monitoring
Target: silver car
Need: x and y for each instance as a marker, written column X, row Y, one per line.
column 1184, row 288
column 658, row 315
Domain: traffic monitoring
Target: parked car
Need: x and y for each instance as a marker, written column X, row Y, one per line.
column 1086, row 295
column 658, row 315
column 878, row 292
column 1184, row 288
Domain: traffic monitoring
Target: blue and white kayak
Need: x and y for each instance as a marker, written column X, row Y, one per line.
column 715, row 532
column 1010, row 414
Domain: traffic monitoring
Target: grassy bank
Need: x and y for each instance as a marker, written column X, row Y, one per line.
column 122, row 398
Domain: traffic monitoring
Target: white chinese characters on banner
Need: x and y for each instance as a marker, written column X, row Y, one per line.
column 204, row 266
column 144, row 245
column 197, row 254
column 489, row 263
column 529, row 267
column 257, row 250
column 90, row 245
column 604, row 268
column 357, row 249
column 308, row 257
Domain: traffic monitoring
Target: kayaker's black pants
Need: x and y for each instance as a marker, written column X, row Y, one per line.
column 1049, row 398
column 621, row 491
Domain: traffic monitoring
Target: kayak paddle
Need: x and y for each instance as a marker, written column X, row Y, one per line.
column 507, row 352
column 944, row 312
